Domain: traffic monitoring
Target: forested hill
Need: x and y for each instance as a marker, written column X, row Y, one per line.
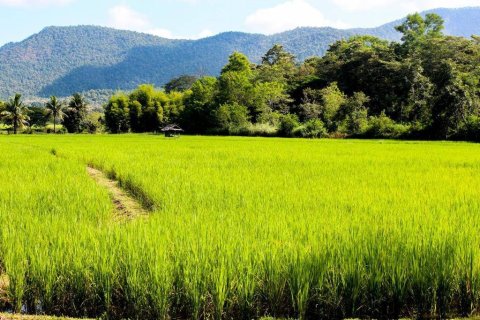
column 62, row 60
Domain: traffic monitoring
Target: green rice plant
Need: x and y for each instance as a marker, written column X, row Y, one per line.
column 241, row 228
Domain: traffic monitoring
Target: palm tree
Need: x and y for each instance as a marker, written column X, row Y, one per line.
column 55, row 108
column 15, row 113
column 75, row 113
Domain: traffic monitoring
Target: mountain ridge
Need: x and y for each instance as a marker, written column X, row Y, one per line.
column 63, row 60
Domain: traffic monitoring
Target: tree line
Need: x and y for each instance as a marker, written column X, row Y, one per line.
column 74, row 115
column 425, row 87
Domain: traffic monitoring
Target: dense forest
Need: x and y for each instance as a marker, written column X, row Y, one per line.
column 62, row 60
column 425, row 87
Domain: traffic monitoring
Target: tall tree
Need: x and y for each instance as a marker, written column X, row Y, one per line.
column 456, row 101
column 38, row 116
column 277, row 65
column 180, row 84
column 75, row 114
column 235, row 82
column 55, row 109
column 146, row 108
column 15, row 113
column 417, row 29
column 117, row 114
column 238, row 62
column 199, row 114
column 370, row 65
column 352, row 117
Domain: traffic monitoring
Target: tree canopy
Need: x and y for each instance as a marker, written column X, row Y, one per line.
column 15, row 113
column 426, row 86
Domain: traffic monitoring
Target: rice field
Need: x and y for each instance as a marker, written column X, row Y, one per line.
column 240, row 228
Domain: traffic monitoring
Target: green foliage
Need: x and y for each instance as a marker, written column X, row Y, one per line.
column 470, row 129
column 55, row 109
column 123, row 59
column 288, row 124
column 237, row 63
column 324, row 104
column 38, row 116
column 232, row 118
column 199, row 113
column 457, row 99
column 364, row 86
column 235, row 86
column 173, row 106
column 313, row 128
column 94, row 122
column 118, row 115
column 332, row 101
column 352, row 117
column 151, row 112
column 259, row 130
column 277, row 65
column 180, row 84
column 384, row 127
column 15, row 113
column 425, row 87
column 145, row 109
column 268, row 97
column 75, row 114
column 417, row 29
column 418, row 108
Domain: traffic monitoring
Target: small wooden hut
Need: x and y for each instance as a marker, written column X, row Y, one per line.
column 172, row 131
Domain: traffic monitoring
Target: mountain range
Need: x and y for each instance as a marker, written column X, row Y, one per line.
column 62, row 60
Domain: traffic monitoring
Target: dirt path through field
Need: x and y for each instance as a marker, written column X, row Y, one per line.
column 4, row 284
column 126, row 207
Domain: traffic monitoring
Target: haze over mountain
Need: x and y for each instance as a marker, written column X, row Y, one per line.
column 62, row 60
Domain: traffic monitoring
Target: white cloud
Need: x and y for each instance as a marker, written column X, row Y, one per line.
column 286, row 16
column 204, row 34
column 32, row 3
column 164, row 33
column 403, row 5
column 124, row 17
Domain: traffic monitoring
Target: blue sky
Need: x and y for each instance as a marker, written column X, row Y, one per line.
column 199, row 18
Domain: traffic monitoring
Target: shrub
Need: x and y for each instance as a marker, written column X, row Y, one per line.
column 352, row 117
column 288, row 124
column 232, row 118
column 62, row 130
column 259, row 130
column 313, row 128
column 470, row 130
column 384, row 127
column 90, row 126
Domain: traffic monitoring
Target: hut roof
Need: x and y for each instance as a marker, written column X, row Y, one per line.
column 172, row 127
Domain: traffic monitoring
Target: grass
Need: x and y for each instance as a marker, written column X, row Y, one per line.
column 6, row 316
column 241, row 228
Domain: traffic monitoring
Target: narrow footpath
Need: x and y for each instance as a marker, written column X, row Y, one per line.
column 126, row 207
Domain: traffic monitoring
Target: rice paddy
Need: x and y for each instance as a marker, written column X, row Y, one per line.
column 240, row 228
